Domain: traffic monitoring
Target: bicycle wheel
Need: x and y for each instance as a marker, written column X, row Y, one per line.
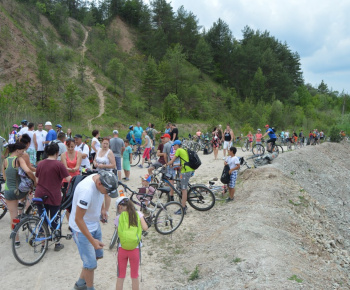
column 3, row 208
column 166, row 221
column 280, row 148
column 113, row 239
column 258, row 149
column 201, row 197
column 244, row 147
column 136, row 157
column 196, row 147
column 33, row 241
column 209, row 147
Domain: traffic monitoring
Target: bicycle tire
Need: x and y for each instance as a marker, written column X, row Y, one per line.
column 244, row 147
column 280, row 149
column 3, row 209
column 258, row 149
column 201, row 195
column 27, row 231
column 136, row 157
column 166, row 221
column 209, row 147
column 196, row 147
column 113, row 239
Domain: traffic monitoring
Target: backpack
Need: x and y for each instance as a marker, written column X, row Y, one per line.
column 193, row 159
column 225, row 176
column 150, row 133
column 273, row 130
column 68, row 196
column 128, row 136
column 129, row 236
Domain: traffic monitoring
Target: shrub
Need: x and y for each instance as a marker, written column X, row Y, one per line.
column 334, row 134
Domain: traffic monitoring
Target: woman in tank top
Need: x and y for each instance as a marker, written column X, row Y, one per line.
column 71, row 159
column 104, row 159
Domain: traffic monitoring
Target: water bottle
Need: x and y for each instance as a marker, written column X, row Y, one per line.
column 121, row 192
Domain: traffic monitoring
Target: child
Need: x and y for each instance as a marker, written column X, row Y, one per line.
column 145, row 180
column 135, row 218
column 127, row 159
column 250, row 140
column 234, row 164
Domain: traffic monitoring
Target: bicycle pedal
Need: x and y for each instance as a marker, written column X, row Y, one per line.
column 211, row 182
column 68, row 236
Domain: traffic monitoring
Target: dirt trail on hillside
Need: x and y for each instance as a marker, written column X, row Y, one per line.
column 90, row 77
column 283, row 231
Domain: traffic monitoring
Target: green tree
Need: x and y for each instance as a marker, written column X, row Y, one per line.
column 258, row 86
column 202, row 57
column 171, row 108
column 150, row 82
column 44, row 77
column 71, row 99
column 114, row 71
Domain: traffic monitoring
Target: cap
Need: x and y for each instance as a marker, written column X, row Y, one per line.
column 165, row 136
column 267, row 126
column 177, row 142
column 109, row 182
column 24, row 122
column 115, row 132
column 259, row 129
column 15, row 126
column 120, row 199
column 131, row 126
column 78, row 136
column 48, row 123
column 59, row 126
column 146, row 177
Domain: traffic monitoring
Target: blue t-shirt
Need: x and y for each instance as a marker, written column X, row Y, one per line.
column 51, row 135
column 271, row 133
column 127, row 152
column 138, row 132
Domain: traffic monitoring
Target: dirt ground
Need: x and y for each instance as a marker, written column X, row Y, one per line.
column 277, row 234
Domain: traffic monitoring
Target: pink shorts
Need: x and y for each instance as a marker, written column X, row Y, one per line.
column 146, row 153
column 134, row 257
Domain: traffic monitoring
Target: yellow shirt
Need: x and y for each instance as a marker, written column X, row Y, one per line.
column 182, row 153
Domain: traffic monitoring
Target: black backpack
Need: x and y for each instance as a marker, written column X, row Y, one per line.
column 67, row 201
column 225, row 176
column 194, row 160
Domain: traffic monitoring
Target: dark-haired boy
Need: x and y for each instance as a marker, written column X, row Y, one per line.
column 233, row 162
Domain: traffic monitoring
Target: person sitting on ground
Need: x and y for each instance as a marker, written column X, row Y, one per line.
column 123, row 204
column 127, row 160
column 148, row 146
column 10, row 169
column 234, row 163
column 145, row 189
column 160, row 154
column 50, row 173
column 104, row 158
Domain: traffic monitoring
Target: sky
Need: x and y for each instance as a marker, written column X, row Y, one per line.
column 316, row 29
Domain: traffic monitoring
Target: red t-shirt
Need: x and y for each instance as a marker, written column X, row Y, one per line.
column 161, row 158
column 50, row 174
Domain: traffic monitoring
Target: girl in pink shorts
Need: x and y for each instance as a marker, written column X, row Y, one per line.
column 124, row 204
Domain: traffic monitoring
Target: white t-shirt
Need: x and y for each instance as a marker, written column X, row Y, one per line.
column 85, row 163
column 87, row 196
column 23, row 131
column 286, row 134
column 97, row 144
column 40, row 138
column 31, row 134
column 232, row 162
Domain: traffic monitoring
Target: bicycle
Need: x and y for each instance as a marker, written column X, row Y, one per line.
column 245, row 146
column 161, row 215
column 200, row 197
column 34, row 233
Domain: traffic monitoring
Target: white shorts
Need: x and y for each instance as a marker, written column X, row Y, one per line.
column 227, row 145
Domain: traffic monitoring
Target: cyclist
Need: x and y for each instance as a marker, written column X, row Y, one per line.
column 250, row 140
column 166, row 153
column 258, row 136
column 92, row 198
column 10, row 173
column 13, row 136
column 50, row 173
column 148, row 146
column 160, row 154
column 186, row 172
column 58, row 129
column 138, row 133
column 272, row 136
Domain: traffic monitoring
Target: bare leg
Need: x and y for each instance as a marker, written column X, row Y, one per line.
column 119, row 175
column 184, row 197
column 88, row 276
column 120, row 283
column 232, row 192
column 135, row 284
column 12, row 206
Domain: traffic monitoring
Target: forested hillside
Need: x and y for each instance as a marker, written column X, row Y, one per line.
column 162, row 65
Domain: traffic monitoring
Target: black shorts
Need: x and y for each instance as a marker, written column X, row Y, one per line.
column 272, row 140
column 39, row 155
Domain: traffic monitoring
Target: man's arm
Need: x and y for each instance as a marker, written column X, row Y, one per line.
column 79, row 220
column 85, row 152
column 35, row 142
column 105, row 207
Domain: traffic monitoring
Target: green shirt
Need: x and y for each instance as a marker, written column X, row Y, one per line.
column 182, row 153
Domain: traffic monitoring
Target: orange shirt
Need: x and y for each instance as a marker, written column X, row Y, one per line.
column 258, row 137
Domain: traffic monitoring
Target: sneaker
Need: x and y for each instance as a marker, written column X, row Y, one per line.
column 17, row 244
column 179, row 211
column 124, row 178
column 58, row 247
column 127, row 179
column 229, row 199
column 140, row 166
column 80, row 287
